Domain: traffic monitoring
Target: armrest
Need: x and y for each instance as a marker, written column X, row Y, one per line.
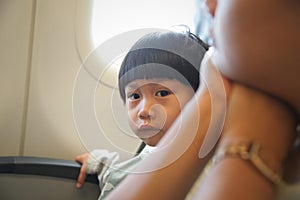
column 43, row 166
column 44, row 178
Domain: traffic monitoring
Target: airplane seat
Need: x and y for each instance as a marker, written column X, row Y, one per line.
column 33, row 178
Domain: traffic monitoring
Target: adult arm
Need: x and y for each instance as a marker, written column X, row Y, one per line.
column 258, row 45
column 251, row 116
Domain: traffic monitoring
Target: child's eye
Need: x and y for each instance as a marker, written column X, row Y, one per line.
column 134, row 96
column 163, row 93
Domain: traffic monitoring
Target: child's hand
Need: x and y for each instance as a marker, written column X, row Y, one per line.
column 82, row 174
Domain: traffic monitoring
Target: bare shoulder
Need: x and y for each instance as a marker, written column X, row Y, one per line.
column 259, row 45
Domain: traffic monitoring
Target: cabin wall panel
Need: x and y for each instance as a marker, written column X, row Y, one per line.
column 15, row 39
column 51, row 130
column 42, row 49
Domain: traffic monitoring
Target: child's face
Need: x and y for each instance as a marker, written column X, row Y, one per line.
column 153, row 105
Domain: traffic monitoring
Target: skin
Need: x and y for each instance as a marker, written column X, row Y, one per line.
column 258, row 44
column 278, row 54
column 253, row 38
column 250, row 61
column 178, row 177
column 152, row 106
column 267, row 26
column 251, row 115
column 174, row 180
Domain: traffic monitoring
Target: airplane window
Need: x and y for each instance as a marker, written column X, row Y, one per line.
column 112, row 17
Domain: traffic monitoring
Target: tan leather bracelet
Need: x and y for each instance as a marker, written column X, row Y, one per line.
column 248, row 151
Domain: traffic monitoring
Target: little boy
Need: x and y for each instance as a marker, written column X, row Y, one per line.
column 158, row 76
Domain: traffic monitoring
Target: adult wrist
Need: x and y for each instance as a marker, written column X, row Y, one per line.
column 249, row 152
column 274, row 129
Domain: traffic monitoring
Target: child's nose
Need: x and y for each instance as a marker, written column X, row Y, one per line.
column 146, row 108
